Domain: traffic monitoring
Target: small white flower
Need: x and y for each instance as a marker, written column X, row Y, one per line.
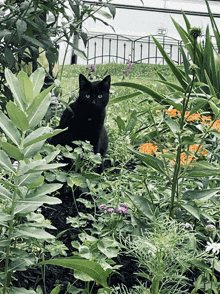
column 215, row 247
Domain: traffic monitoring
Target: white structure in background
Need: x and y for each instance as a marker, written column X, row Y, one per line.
column 153, row 18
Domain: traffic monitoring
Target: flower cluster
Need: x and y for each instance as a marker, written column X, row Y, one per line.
column 126, row 71
column 205, row 120
column 122, row 209
column 151, row 149
column 91, row 69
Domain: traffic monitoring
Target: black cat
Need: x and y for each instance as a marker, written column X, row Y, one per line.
column 86, row 120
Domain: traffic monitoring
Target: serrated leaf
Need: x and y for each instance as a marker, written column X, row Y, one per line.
column 17, row 116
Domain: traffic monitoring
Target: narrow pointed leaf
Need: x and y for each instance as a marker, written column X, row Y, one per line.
column 151, row 161
column 90, row 268
column 200, row 194
column 4, row 193
column 158, row 97
column 123, row 98
column 192, row 210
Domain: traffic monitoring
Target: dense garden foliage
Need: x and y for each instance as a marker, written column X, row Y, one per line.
column 149, row 223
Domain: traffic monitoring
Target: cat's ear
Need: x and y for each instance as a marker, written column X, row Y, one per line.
column 83, row 82
column 105, row 83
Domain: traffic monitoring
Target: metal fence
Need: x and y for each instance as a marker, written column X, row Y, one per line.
column 106, row 48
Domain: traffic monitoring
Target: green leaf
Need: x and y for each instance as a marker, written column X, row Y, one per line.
column 37, row 79
column 112, row 9
column 172, row 124
column 124, row 98
column 45, row 189
column 158, row 97
column 28, row 178
column 142, row 205
column 38, row 99
column 104, row 13
column 4, row 218
column 25, row 232
column 149, row 160
column 47, row 167
column 15, row 88
column 21, row 27
column 27, row 205
column 180, row 77
column 5, row 162
column 17, row 116
column 4, row 193
column 56, row 290
column 9, row 129
column 90, row 268
column 200, row 194
column 77, row 180
column 9, row 56
column 192, row 210
column 26, row 87
column 43, row 137
column 39, row 112
column 11, row 150
column 108, row 247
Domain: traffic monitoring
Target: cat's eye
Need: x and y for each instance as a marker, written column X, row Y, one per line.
column 87, row 96
column 99, row 96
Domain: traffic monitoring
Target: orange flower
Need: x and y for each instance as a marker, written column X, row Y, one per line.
column 148, row 148
column 216, row 125
column 173, row 112
column 194, row 116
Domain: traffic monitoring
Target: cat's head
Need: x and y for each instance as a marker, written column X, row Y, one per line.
column 94, row 93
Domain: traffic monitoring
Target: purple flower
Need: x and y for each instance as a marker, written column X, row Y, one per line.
column 124, row 71
column 93, row 68
column 129, row 67
column 87, row 68
column 187, row 226
column 110, row 210
column 122, row 210
column 123, row 204
column 102, row 206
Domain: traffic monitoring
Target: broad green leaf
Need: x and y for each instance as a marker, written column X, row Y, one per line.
column 21, row 290
column 25, row 232
column 4, row 193
column 38, row 182
column 37, row 79
column 192, row 210
column 26, row 87
column 142, row 205
column 124, row 98
column 77, row 180
column 38, row 114
column 90, row 268
column 107, row 248
column 42, row 137
column 112, row 9
column 38, row 99
column 200, row 194
column 17, row 116
column 45, row 189
column 172, row 124
column 47, row 167
column 149, row 160
column 27, row 205
column 9, row 129
column 56, row 290
column 4, row 218
column 28, row 178
column 158, row 97
column 25, row 167
column 32, row 150
column 15, row 88
column 5, row 162
column 11, row 150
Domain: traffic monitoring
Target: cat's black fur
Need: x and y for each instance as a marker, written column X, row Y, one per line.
column 86, row 120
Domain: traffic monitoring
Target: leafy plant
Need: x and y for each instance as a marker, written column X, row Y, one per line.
column 22, row 188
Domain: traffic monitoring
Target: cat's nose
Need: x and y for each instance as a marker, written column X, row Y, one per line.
column 93, row 101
